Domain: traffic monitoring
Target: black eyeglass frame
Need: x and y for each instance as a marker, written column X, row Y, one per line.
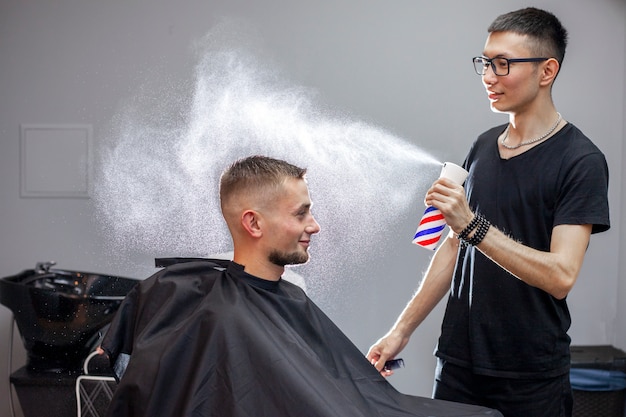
column 489, row 62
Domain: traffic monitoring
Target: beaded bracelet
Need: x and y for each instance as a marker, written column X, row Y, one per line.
column 481, row 231
column 471, row 226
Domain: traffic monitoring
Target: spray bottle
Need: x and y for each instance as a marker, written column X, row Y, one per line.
column 432, row 223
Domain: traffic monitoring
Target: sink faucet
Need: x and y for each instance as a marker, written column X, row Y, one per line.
column 44, row 267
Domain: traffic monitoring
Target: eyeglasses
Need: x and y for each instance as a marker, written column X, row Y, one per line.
column 499, row 65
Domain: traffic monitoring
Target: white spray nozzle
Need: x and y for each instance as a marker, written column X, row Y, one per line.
column 453, row 172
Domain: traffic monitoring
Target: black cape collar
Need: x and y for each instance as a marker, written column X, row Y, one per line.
column 237, row 271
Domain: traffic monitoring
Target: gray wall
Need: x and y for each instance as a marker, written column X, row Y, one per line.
column 401, row 66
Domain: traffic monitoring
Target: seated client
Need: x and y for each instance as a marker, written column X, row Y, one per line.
column 231, row 338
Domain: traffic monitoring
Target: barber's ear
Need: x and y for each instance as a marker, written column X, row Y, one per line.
column 550, row 71
column 250, row 221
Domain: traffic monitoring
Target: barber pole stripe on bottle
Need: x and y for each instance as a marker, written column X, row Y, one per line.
column 430, row 229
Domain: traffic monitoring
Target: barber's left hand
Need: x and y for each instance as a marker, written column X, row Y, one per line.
column 450, row 199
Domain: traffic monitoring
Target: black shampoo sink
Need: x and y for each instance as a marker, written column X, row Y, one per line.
column 61, row 313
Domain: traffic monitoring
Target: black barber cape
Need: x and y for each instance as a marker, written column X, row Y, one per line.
column 207, row 339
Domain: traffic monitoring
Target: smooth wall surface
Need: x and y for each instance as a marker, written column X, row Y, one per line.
column 403, row 66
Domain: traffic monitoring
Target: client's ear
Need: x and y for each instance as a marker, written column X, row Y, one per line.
column 250, row 223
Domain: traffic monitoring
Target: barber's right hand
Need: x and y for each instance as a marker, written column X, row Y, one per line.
column 450, row 200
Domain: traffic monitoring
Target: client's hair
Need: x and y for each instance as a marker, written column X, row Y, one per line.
column 256, row 173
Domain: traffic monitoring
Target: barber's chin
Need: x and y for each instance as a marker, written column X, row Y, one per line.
column 494, row 107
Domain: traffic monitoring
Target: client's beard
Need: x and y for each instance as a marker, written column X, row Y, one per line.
column 292, row 258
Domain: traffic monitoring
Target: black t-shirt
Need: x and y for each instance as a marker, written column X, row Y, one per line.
column 495, row 323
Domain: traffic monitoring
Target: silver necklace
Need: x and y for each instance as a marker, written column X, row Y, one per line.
column 529, row 142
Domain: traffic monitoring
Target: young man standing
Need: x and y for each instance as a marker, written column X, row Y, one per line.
column 536, row 191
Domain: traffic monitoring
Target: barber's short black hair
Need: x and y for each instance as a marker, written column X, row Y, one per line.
column 547, row 35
